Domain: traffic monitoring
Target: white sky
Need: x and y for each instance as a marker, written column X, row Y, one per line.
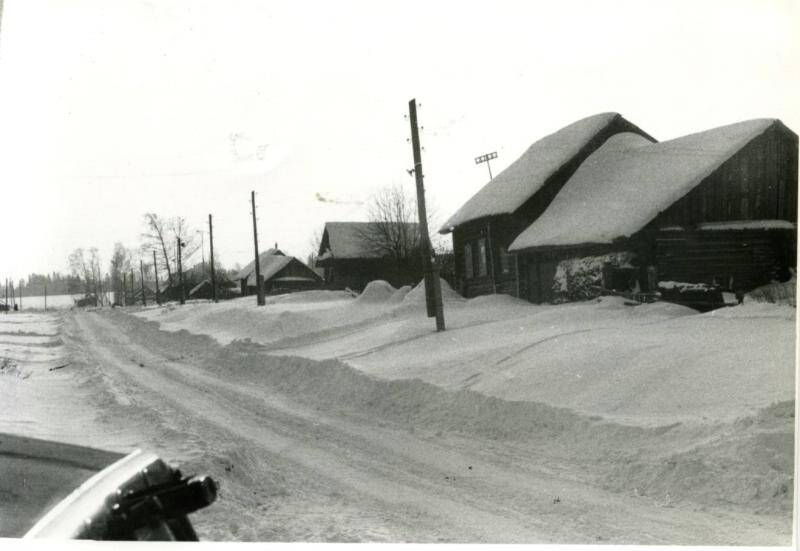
column 112, row 109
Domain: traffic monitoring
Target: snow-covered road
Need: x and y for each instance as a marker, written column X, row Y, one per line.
column 297, row 464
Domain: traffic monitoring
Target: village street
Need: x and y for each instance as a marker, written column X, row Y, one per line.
column 294, row 469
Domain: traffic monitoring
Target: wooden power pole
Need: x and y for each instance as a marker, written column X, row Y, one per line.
column 211, row 245
column 259, row 284
column 124, row 291
column 180, row 273
column 155, row 276
column 433, row 289
column 141, row 272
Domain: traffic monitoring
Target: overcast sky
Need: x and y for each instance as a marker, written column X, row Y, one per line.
column 112, row 109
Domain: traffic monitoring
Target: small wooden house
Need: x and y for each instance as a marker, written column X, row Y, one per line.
column 485, row 226
column 280, row 273
column 350, row 258
column 713, row 208
column 225, row 289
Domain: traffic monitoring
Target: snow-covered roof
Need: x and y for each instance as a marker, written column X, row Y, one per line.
column 269, row 265
column 262, row 260
column 629, row 180
column 346, row 240
column 519, row 181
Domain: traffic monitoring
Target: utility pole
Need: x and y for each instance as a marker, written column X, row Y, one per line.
column 7, row 307
column 20, row 297
column 141, row 271
column 180, row 272
column 155, row 274
column 45, row 297
column 433, row 290
column 485, row 159
column 259, row 284
column 124, row 291
column 211, row 245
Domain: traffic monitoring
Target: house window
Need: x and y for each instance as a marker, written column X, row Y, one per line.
column 482, row 257
column 468, row 270
column 505, row 261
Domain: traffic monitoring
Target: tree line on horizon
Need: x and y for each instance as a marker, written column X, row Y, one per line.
column 390, row 209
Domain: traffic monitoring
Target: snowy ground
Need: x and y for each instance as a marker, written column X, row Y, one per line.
column 330, row 418
column 649, row 364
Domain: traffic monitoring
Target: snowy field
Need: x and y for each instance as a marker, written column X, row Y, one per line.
column 650, row 364
column 330, row 417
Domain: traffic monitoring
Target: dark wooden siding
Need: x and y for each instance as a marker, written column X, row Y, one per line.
column 735, row 260
column 501, row 266
column 356, row 273
column 757, row 183
column 500, row 231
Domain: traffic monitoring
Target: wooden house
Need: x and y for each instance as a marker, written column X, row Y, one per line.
column 280, row 273
column 485, row 226
column 717, row 207
column 226, row 289
column 350, row 259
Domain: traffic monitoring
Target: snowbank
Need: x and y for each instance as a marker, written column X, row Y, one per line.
column 417, row 294
column 647, row 364
column 377, row 291
column 777, row 293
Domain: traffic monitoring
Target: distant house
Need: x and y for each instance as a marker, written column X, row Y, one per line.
column 717, row 207
column 136, row 297
column 225, row 289
column 484, row 227
column 191, row 278
column 280, row 273
column 350, row 258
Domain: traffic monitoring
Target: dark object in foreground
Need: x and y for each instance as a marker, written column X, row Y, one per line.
column 118, row 497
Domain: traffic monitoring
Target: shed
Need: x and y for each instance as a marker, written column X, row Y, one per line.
column 351, row 257
column 280, row 273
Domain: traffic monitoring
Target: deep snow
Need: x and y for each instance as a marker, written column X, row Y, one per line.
column 648, row 364
column 324, row 451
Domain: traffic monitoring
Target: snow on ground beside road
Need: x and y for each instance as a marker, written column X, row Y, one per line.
column 745, row 463
column 647, row 364
column 30, row 347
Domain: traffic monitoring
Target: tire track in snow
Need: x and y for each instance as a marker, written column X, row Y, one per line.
column 395, row 469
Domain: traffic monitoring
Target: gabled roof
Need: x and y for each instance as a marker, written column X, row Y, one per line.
column 628, row 181
column 346, row 240
column 510, row 189
column 263, row 259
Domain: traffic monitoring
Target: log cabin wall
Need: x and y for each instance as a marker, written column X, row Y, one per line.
column 757, row 183
column 734, row 260
column 496, row 233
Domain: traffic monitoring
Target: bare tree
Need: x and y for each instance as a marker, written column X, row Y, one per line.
column 156, row 238
column 162, row 235
column 120, row 264
column 88, row 271
column 393, row 230
column 79, row 269
column 314, row 242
